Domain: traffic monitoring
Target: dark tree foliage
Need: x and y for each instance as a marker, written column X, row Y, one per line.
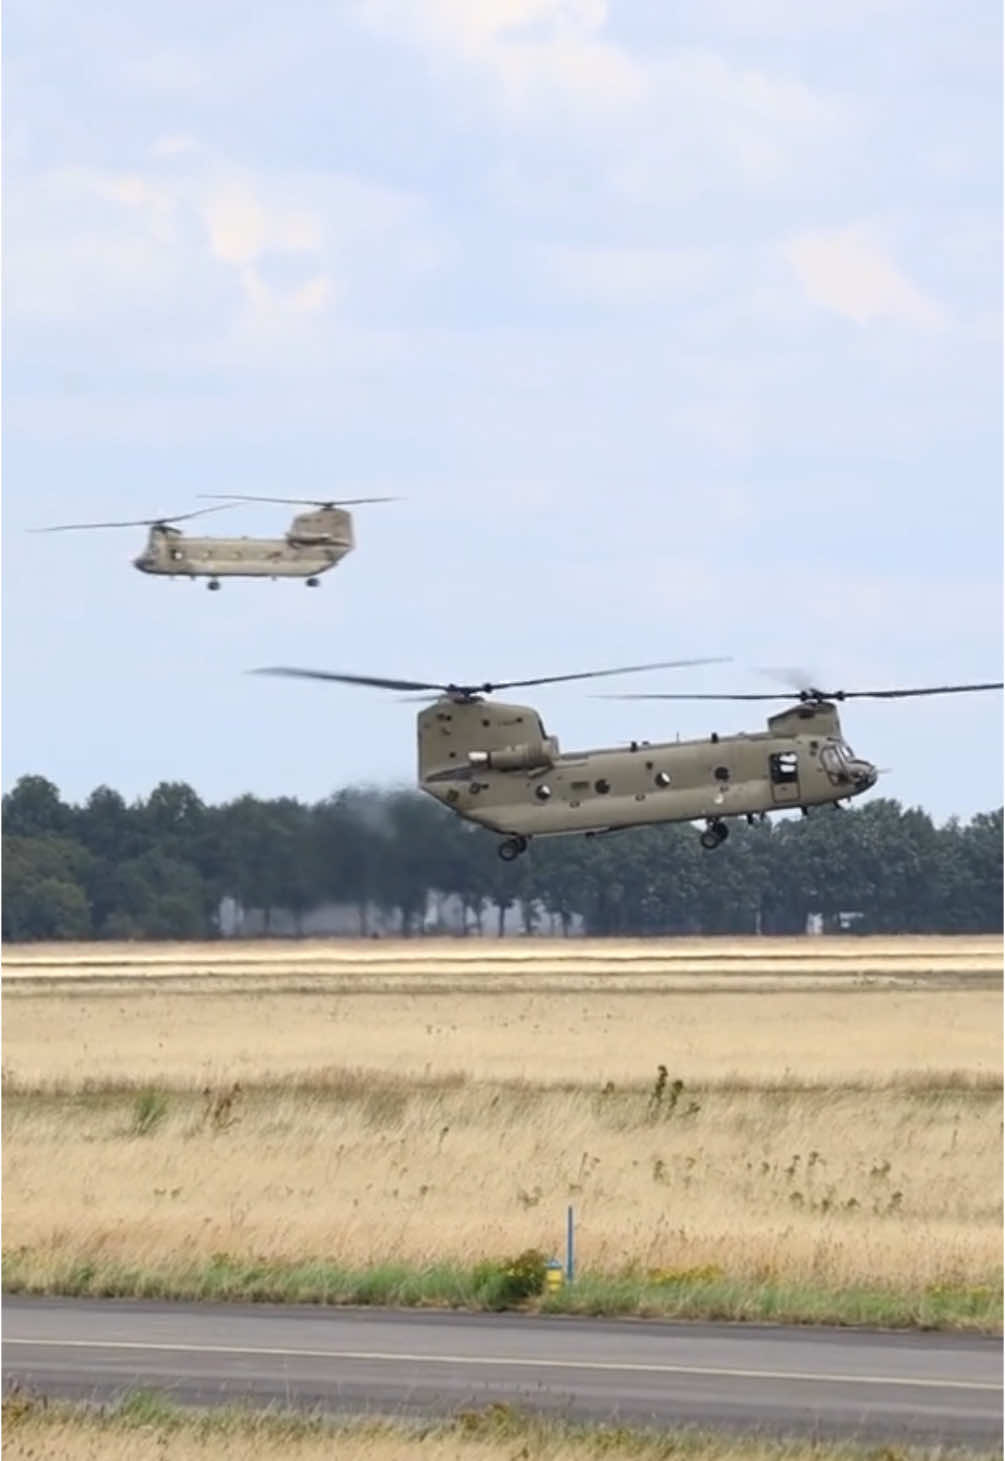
column 160, row 868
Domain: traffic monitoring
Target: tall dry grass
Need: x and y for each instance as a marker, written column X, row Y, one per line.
column 874, row 1188
column 145, row 1430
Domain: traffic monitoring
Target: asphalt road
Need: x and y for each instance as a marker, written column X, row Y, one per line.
column 931, row 1387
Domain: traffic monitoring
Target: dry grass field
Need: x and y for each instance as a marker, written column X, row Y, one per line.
column 836, row 1129
column 816, row 1010
column 145, row 1431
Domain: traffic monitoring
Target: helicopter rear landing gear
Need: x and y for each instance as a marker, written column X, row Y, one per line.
column 214, row 583
column 313, row 582
column 510, row 848
column 715, row 833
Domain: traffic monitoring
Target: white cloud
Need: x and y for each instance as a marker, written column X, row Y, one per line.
column 535, row 50
column 89, row 245
column 237, row 226
column 847, row 271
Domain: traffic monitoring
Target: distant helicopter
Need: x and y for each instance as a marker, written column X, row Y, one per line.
column 314, row 543
column 495, row 764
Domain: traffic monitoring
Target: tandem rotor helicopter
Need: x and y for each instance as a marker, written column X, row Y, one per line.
column 314, row 543
column 495, row 764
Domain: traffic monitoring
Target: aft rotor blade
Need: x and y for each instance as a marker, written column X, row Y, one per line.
column 657, row 696
column 299, row 501
column 140, row 522
column 377, row 681
column 672, row 664
column 382, row 683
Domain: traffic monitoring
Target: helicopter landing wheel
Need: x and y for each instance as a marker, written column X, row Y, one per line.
column 313, row 582
column 213, row 584
column 511, row 847
column 714, row 834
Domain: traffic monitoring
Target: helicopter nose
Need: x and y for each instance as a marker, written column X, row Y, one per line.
column 864, row 774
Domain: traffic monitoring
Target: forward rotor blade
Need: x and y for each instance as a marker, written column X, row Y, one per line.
column 300, row 501
column 673, row 664
column 818, row 695
column 139, row 522
column 923, row 690
column 376, row 681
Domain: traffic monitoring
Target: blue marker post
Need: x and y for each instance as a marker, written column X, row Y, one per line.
column 570, row 1251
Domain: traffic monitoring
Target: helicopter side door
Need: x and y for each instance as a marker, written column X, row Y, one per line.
column 783, row 773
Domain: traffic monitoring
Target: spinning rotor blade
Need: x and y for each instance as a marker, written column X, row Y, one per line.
column 466, row 691
column 672, row 664
column 820, row 695
column 302, row 501
column 140, row 522
column 374, row 680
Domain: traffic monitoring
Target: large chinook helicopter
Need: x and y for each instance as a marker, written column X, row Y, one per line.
column 496, row 765
column 314, row 542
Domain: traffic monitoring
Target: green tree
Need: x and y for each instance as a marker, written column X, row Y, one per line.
column 33, row 808
column 44, row 888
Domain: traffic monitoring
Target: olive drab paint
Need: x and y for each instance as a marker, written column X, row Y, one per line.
column 495, row 764
column 313, row 544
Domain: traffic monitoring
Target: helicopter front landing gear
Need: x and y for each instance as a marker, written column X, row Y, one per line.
column 313, row 582
column 214, row 584
column 714, row 834
column 510, row 848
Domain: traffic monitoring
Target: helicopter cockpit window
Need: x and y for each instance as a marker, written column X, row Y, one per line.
column 833, row 762
column 784, row 767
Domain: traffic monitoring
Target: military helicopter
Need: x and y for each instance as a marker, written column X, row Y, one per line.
column 495, row 764
column 314, row 543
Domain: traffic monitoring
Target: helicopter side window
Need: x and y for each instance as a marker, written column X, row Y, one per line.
column 176, row 554
column 784, row 767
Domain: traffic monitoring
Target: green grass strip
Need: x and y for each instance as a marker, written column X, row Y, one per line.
column 685, row 1294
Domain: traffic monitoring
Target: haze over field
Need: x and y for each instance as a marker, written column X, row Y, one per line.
column 678, row 328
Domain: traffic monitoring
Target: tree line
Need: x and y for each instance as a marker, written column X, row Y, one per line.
column 162, row 866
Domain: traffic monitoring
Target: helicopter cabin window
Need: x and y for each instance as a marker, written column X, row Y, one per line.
column 722, row 773
column 784, row 767
column 176, row 554
column 602, row 786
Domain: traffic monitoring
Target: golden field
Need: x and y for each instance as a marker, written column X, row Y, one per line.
column 832, row 1130
column 815, row 1010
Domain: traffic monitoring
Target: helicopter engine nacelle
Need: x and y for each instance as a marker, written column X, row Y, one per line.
column 329, row 525
column 530, row 756
column 458, row 737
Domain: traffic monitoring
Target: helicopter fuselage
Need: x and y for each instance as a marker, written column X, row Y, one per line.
column 495, row 765
column 315, row 543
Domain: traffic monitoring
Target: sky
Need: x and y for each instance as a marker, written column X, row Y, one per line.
column 674, row 324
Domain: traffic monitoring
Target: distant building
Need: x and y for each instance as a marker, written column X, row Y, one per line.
column 442, row 916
